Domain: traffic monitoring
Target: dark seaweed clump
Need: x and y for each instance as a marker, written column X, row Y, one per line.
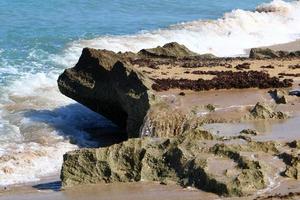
column 267, row 67
column 290, row 195
column 294, row 66
column 224, row 80
column 289, row 74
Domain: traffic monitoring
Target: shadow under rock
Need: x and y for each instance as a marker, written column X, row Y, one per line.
column 55, row 186
column 80, row 125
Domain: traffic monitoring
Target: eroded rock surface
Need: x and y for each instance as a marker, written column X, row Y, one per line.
column 127, row 87
column 104, row 82
column 261, row 53
column 188, row 159
column 265, row 111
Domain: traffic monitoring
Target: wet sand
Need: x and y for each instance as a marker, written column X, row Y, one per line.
column 132, row 191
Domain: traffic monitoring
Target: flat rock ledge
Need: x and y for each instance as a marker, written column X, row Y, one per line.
column 136, row 92
column 227, row 167
column 128, row 88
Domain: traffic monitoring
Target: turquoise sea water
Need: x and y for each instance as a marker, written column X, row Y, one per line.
column 39, row 39
column 46, row 27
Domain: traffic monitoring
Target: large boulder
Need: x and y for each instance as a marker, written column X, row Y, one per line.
column 110, row 84
column 102, row 81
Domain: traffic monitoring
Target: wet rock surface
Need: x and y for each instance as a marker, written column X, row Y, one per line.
column 184, row 160
column 124, row 87
column 225, row 166
column 265, row 111
column 155, row 96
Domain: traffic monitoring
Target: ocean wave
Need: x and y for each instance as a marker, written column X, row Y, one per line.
column 271, row 23
column 37, row 126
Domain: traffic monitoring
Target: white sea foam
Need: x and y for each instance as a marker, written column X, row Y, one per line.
column 271, row 23
column 37, row 126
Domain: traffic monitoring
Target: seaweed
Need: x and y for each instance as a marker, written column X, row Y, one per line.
column 224, row 80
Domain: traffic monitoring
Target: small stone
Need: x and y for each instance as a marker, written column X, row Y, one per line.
column 249, row 132
column 210, row 107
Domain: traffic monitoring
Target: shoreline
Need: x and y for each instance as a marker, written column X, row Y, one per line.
column 18, row 190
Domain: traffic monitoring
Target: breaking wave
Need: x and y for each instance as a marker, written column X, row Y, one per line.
column 271, row 23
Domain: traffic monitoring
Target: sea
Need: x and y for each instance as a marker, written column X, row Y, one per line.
column 39, row 39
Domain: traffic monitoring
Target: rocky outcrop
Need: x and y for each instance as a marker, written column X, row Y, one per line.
column 187, row 160
column 104, row 82
column 170, row 50
column 125, row 87
column 262, row 53
column 264, row 111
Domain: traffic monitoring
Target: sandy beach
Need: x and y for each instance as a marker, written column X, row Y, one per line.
column 150, row 100
column 228, row 103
